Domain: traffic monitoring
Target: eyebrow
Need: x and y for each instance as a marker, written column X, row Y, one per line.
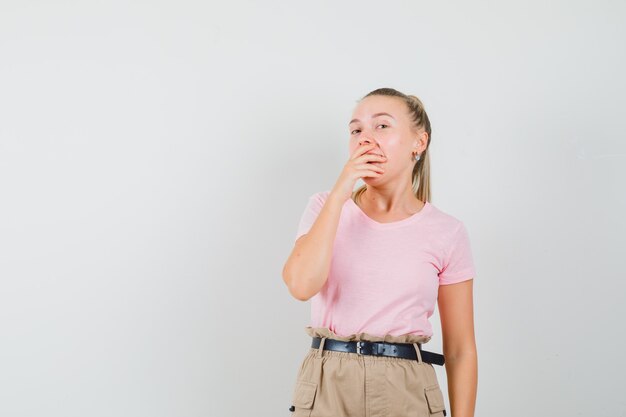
column 373, row 116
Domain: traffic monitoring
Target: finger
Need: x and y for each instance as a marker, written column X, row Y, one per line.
column 370, row 158
column 364, row 155
column 368, row 173
column 362, row 149
column 371, row 166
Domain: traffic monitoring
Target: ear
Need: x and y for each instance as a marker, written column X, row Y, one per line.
column 423, row 138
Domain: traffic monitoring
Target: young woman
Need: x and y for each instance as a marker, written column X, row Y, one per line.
column 373, row 262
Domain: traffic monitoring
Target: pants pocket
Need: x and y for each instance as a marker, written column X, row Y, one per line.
column 434, row 397
column 303, row 398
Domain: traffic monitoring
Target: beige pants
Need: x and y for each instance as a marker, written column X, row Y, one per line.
column 345, row 384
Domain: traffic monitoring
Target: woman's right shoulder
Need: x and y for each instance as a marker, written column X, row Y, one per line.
column 320, row 195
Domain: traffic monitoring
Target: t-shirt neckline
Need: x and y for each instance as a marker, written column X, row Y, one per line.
column 390, row 225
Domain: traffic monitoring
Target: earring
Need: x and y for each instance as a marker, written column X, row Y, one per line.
column 416, row 156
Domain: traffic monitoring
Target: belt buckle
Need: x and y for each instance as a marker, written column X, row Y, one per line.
column 379, row 349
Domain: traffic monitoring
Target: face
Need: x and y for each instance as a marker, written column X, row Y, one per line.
column 392, row 134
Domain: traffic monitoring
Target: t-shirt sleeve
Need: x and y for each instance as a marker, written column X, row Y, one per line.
column 311, row 211
column 458, row 261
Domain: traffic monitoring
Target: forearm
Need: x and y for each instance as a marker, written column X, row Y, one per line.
column 462, row 374
column 306, row 270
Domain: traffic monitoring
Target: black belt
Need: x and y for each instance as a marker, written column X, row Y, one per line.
column 365, row 347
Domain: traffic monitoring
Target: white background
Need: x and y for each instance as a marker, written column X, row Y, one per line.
column 155, row 158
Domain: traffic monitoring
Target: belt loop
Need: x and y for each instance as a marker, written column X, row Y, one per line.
column 417, row 350
column 320, row 349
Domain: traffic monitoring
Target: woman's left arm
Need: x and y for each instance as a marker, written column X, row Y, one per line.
column 456, row 311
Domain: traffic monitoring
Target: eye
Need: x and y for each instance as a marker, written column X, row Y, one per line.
column 357, row 130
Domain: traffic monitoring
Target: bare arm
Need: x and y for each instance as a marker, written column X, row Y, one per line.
column 459, row 346
column 308, row 265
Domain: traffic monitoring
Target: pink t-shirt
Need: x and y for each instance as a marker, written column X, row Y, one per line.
column 384, row 277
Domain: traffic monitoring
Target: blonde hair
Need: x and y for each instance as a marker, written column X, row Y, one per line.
column 421, row 169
